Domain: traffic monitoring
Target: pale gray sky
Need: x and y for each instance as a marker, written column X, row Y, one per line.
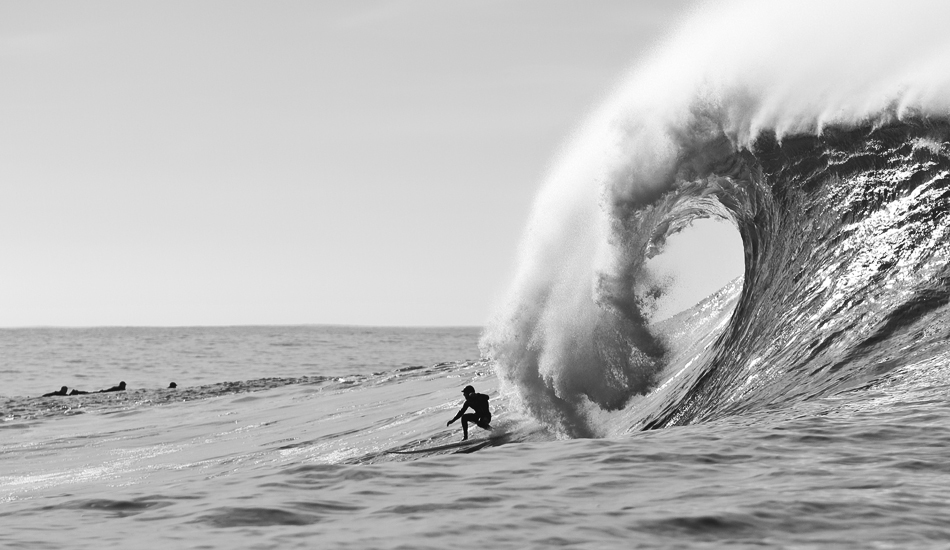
column 353, row 162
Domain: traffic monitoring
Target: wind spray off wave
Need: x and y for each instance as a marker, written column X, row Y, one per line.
column 708, row 128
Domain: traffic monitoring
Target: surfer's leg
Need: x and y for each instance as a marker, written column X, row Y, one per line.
column 466, row 418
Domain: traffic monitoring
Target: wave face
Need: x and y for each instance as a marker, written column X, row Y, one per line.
column 830, row 157
column 848, row 266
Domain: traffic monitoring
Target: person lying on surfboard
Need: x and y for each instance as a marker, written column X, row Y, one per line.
column 120, row 387
column 62, row 391
column 481, row 417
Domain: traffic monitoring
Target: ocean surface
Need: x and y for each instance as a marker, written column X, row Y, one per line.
column 262, row 445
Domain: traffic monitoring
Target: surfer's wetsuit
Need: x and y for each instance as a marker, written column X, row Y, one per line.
column 62, row 391
column 481, row 417
column 120, row 387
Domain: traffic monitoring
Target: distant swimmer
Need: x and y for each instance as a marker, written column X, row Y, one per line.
column 62, row 391
column 120, row 387
column 172, row 386
column 481, row 417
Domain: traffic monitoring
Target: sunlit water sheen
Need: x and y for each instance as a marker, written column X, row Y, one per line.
column 301, row 463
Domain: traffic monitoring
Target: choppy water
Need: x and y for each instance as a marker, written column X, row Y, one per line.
column 41, row 360
column 302, row 462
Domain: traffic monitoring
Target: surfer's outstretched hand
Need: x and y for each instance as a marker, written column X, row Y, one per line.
column 449, row 423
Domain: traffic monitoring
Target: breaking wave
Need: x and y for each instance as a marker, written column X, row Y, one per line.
column 822, row 135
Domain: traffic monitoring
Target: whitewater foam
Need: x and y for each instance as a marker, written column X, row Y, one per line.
column 664, row 151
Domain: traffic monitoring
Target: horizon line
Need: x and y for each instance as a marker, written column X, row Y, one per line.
column 339, row 325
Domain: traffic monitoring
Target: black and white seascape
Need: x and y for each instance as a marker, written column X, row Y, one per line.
column 804, row 404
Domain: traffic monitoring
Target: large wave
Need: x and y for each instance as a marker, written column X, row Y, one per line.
column 819, row 131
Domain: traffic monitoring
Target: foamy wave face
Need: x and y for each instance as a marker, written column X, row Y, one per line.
column 572, row 331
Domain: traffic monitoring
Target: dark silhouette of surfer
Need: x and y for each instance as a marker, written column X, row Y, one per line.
column 172, row 386
column 62, row 391
column 120, row 387
column 481, row 417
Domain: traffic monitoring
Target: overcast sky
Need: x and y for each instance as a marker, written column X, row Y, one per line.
column 350, row 162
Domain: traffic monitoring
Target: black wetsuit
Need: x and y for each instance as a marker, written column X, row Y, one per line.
column 481, row 417
column 479, row 403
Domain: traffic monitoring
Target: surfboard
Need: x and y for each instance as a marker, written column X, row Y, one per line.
column 465, row 446
column 465, row 443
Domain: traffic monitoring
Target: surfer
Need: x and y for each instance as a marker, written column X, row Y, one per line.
column 120, row 387
column 62, row 391
column 481, row 417
column 78, row 392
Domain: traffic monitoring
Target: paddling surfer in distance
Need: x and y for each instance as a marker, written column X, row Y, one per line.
column 120, row 387
column 481, row 417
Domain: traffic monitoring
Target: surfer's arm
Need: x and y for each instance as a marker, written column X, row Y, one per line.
column 459, row 415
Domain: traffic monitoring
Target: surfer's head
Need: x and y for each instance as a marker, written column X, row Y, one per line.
column 468, row 390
